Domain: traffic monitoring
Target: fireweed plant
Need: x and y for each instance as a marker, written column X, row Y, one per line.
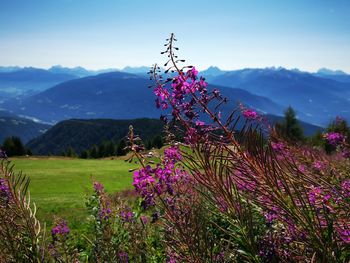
column 231, row 190
column 255, row 198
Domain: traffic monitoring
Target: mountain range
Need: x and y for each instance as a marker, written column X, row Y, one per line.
column 319, row 99
column 114, row 95
column 28, row 81
column 61, row 93
column 26, row 129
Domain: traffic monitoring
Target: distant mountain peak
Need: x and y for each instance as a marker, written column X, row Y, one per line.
column 213, row 70
column 77, row 71
column 9, row 68
column 326, row 71
column 139, row 69
column 56, row 67
column 62, row 67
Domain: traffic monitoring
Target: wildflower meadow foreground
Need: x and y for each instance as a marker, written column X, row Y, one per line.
column 230, row 187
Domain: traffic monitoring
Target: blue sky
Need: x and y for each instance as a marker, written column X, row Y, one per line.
column 229, row 34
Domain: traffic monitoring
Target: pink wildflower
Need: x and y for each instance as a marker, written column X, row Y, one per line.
column 60, row 228
column 250, row 114
column 345, row 186
column 334, row 138
column 318, row 165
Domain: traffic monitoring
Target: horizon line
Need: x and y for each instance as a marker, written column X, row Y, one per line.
column 199, row 68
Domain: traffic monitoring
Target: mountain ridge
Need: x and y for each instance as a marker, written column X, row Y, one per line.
column 25, row 129
column 319, row 99
column 82, row 134
column 114, row 95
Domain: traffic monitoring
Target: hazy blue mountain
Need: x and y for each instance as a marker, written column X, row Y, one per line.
column 5, row 113
column 114, row 95
column 211, row 72
column 77, row 71
column 35, row 74
column 9, row 69
column 12, row 125
column 327, row 71
column 141, row 71
column 83, row 134
column 136, row 70
column 318, row 99
column 337, row 75
column 106, row 70
column 29, row 81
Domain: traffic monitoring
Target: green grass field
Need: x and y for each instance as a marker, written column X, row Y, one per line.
column 59, row 186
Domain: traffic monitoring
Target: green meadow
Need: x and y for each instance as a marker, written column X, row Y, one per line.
column 60, row 186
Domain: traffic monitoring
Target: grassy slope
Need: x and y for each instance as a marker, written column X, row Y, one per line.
column 59, row 186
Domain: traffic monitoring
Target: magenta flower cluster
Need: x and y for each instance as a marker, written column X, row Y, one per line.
column 144, row 182
column 186, row 95
column 317, row 197
column 151, row 182
column 278, row 146
column 60, row 229
column 123, row 257
column 98, row 188
column 344, row 235
column 250, row 114
column 172, row 154
column 334, row 138
column 105, row 212
column 318, row 165
column 181, row 86
column 104, row 208
column 127, row 216
column 5, row 194
column 345, row 185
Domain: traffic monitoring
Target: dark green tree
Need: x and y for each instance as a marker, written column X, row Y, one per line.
column 157, row 142
column 121, row 148
column 70, row 152
column 19, row 146
column 13, row 146
column 290, row 127
column 317, row 139
column 149, row 145
column 9, row 147
column 94, row 152
column 102, row 150
column 85, row 154
column 110, row 148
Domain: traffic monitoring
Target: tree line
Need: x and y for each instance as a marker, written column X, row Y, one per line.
column 110, row 148
column 13, row 146
column 289, row 128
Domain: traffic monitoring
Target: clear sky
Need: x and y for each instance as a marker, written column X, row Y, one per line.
column 230, row 34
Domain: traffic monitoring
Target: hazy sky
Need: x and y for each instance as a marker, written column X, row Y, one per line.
column 230, row 34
